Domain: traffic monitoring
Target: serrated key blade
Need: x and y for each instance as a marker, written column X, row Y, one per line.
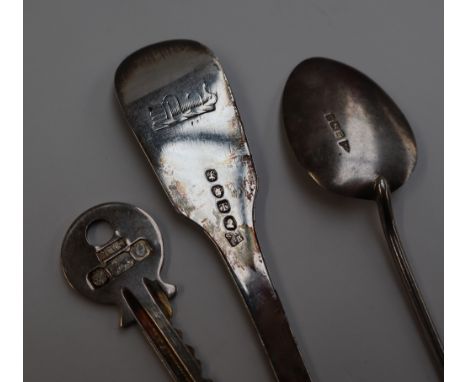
column 176, row 356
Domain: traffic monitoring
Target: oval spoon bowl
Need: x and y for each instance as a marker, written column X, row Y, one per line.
column 345, row 130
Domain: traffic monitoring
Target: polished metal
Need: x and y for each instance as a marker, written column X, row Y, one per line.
column 125, row 271
column 180, row 108
column 354, row 140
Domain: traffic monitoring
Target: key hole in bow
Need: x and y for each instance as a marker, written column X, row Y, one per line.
column 99, row 232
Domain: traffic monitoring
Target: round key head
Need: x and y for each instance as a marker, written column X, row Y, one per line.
column 345, row 130
column 133, row 253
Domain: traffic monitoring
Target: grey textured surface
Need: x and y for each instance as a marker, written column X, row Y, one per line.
column 326, row 253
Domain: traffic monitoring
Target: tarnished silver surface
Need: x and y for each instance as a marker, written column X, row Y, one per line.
column 354, row 140
column 125, row 272
column 178, row 104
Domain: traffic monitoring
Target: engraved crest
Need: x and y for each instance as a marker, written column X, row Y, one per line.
column 174, row 109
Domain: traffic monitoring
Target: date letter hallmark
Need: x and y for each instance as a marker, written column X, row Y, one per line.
column 338, row 131
column 176, row 108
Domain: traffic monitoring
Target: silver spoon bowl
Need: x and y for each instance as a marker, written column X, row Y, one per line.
column 345, row 130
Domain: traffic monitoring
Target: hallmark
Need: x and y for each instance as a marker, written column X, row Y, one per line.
column 110, row 250
column 120, row 264
column 338, row 132
column 230, row 223
column 114, row 261
column 211, row 175
column 174, row 109
column 224, row 206
column 98, row 277
column 217, row 190
column 234, row 238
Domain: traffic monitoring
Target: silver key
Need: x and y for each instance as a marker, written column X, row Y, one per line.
column 125, row 271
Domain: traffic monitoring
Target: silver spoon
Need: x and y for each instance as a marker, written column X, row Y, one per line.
column 180, row 107
column 354, row 140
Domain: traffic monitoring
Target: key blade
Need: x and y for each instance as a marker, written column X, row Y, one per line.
column 178, row 358
column 180, row 108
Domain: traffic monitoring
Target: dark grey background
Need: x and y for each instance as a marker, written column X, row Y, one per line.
column 326, row 253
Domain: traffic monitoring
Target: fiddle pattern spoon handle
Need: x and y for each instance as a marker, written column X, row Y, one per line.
column 409, row 282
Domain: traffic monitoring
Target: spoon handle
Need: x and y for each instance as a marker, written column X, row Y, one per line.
column 247, row 267
column 409, row 282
